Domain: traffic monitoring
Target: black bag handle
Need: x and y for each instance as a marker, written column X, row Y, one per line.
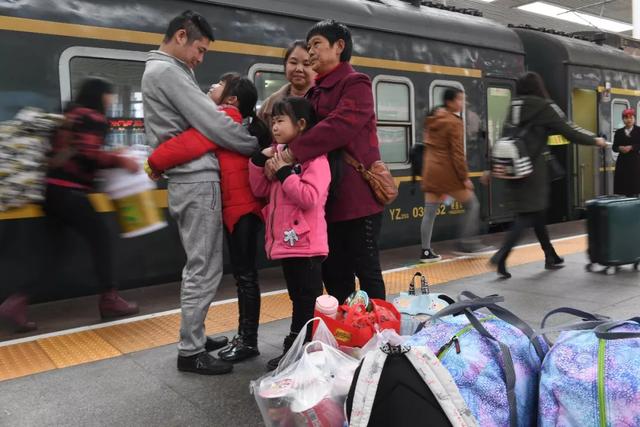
column 424, row 285
column 515, row 321
column 602, row 331
column 589, row 321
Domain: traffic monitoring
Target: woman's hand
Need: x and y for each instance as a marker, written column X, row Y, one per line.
column 268, row 152
column 601, row 142
column 129, row 164
column 485, row 178
column 626, row 148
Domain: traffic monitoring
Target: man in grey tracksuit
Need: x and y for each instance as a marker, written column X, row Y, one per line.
column 173, row 102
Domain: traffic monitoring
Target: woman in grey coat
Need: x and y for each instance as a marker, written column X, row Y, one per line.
column 529, row 197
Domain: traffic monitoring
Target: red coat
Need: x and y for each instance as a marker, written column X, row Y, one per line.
column 344, row 102
column 77, row 150
column 237, row 198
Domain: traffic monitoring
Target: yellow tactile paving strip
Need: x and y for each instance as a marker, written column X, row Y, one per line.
column 111, row 341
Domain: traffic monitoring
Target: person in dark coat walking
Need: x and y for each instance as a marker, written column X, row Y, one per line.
column 626, row 141
column 529, row 197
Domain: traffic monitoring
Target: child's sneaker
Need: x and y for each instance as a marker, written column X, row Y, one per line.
column 428, row 255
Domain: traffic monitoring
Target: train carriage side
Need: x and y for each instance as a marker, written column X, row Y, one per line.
column 411, row 55
column 593, row 84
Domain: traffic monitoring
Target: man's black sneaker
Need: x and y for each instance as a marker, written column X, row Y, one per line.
column 203, row 364
column 214, row 343
column 428, row 255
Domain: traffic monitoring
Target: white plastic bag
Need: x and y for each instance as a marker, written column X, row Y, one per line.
column 309, row 386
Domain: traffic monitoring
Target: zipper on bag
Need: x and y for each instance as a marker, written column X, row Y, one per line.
column 602, row 401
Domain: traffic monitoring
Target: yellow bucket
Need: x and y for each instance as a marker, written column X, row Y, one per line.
column 132, row 195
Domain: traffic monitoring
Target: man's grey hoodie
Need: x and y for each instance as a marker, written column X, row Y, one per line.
column 173, row 103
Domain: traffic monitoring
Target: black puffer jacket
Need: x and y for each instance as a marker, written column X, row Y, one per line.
column 531, row 194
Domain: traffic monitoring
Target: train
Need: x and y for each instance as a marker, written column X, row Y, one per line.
column 411, row 51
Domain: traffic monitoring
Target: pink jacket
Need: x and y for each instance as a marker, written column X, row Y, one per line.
column 294, row 216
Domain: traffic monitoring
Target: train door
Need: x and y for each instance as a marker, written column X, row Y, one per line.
column 499, row 94
column 584, row 105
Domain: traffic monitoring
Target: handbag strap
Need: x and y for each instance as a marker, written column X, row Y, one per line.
column 353, row 162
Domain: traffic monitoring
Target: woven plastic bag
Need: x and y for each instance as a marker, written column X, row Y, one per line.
column 310, row 385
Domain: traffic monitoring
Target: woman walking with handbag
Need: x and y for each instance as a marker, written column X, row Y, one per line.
column 528, row 197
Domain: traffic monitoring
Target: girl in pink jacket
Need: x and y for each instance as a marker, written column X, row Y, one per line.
column 296, row 230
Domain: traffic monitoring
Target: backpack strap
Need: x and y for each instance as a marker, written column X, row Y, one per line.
column 366, row 388
column 442, row 385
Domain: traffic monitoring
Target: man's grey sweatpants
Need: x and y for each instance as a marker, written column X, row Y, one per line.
column 196, row 208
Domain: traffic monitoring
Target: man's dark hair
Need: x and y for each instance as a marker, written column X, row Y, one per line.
column 193, row 23
column 334, row 31
column 530, row 83
column 293, row 46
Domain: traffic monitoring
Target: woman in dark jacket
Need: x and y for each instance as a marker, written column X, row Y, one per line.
column 529, row 197
column 626, row 141
column 77, row 154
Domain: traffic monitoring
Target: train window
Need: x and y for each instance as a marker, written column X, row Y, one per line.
column 268, row 78
column 394, row 100
column 437, row 90
column 498, row 102
column 124, row 69
column 617, row 107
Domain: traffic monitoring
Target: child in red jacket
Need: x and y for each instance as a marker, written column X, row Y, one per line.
column 241, row 210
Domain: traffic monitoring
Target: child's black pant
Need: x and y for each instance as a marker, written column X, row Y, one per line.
column 304, row 283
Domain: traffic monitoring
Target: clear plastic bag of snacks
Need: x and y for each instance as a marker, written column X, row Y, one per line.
column 309, row 386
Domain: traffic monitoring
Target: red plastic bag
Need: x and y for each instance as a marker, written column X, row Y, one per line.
column 354, row 326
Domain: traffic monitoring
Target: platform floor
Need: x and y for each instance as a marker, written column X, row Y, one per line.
column 102, row 375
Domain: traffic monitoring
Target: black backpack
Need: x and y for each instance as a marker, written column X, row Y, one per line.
column 402, row 397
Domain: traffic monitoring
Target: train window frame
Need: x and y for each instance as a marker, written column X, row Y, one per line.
column 458, row 85
column 64, row 63
column 410, row 124
column 488, row 87
column 618, row 101
column 264, row 67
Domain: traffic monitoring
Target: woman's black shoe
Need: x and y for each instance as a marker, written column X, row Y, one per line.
column 553, row 265
column 501, row 267
column 240, row 349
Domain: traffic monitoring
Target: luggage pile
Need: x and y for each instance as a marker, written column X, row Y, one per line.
column 24, row 145
column 471, row 363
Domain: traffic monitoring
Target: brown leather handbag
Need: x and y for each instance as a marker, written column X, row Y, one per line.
column 378, row 177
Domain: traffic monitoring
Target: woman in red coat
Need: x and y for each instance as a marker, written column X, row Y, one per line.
column 626, row 142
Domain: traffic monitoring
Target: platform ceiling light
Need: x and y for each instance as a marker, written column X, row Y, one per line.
column 558, row 12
